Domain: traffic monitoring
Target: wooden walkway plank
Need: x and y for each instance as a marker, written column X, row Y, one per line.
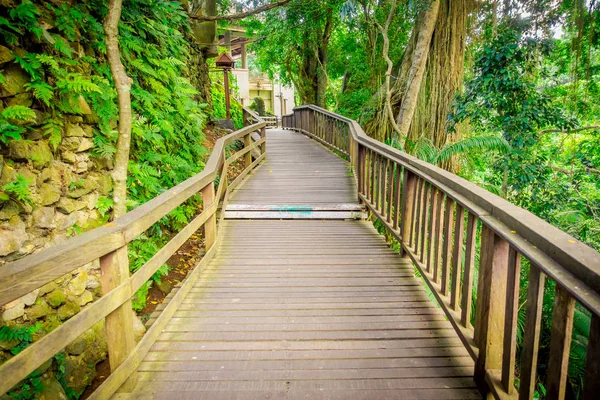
column 305, row 309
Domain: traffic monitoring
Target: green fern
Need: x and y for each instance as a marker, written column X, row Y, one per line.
column 19, row 189
column 21, row 334
column 75, row 82
column 62, row 46
column 48, row 60
column 18, row 113
column 104, row 204
column 53, row 130
column 41, row 91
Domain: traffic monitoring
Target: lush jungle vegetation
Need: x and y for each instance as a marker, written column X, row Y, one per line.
column 503, row 93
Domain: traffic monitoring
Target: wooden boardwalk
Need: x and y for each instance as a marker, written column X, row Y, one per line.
column 305, row 309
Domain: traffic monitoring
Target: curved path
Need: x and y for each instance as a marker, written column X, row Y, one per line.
column 314, row 306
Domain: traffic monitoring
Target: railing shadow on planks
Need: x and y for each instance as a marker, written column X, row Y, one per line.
column 440, row 219
column 109, row 244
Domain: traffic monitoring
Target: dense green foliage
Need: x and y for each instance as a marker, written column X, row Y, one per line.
column 526, row 122
column 69, row 64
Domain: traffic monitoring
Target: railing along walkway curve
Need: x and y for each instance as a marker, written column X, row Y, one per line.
column 424, row 208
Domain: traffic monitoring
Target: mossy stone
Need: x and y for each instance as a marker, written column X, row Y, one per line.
column 5, row 55
column 77, row 285
column 55, row 298
column 67, row 310
column 47, row 288
column 15, row 79
column 67, row 206
column 52, row 390
column 41, row 154
column 48, row 194
column 19, row 149
column 39, row 310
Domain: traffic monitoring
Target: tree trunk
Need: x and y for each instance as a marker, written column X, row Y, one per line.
column 311, row 83
column 427, row 23
column 442, row 78
column 123, row 86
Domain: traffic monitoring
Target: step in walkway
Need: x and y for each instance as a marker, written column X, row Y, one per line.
column 305, row 308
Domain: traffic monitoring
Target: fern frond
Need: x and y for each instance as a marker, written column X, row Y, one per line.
column 18, row 113
column 41, row 91
column 477, row 142
column 425, row 150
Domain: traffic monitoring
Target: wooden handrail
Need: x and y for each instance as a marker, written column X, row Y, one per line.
column 437, row 217
column 109, row 244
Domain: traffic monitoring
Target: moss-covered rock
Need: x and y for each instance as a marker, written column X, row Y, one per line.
column 56, row 298
column 41, row 154
column 68, row 309
column 5, row 55
column 48, row 194
column 47, row 288
column 19, row 150
column 67, row 206
column 22, row 99
column 43, row 217
column 39, row 310
column 77, row 285
column 15, row 79
column 85, row 298
column 51, row 390
column 84, row 188
column 74, row 130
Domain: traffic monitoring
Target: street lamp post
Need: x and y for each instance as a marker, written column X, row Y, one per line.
column 226, row 63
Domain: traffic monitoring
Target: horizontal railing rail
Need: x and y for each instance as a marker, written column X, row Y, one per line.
column 109, row 244
column 441, row 222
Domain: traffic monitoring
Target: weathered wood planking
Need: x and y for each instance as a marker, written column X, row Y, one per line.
column 298, row 172
column 289, row 309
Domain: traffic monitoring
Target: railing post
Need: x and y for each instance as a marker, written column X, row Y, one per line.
column 491, row 302
column 245, row 117
column 248, row 155
column 118, row 324
column 591, row 384
column 560, row 344
column 360, row 168
column 210, row 226
column 408, row 193
column 263, row 135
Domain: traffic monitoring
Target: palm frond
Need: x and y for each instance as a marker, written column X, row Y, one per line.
column 477, row 142
column 425, row 150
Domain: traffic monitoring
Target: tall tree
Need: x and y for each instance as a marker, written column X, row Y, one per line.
column 422, row 97
column 297, row 38
column 123, row 86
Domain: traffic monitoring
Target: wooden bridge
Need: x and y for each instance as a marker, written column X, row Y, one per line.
column 300, row 297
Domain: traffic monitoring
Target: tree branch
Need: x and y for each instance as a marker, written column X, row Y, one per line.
column 386, row 47
column 575, row 130
column 233, row 17
column 573, row 171
column 123, row 86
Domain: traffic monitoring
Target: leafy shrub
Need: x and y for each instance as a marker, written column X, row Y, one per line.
column 258, row 105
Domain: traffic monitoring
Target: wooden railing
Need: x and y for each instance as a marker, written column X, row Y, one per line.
column 271, row 121
column 109, row 244
column 441, row 220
